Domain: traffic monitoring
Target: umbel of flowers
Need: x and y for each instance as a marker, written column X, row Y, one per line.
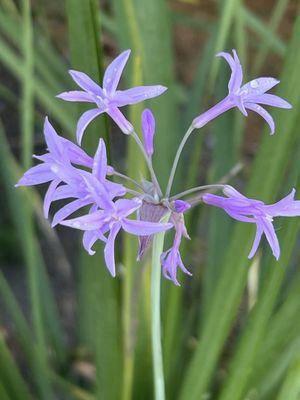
column 83, row 180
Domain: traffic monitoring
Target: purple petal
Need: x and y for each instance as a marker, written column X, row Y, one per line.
column 286, row 207
column 90, row 237
column 69, row 209
column 182, row 267
column 258, row 86
column 241, row 106
column 77, row 95
column 239, row 217
column 114, row 71
column 270, row 234
column 148, row 130
column 84, row 120
column 54, row 142
column 137, row 94
column 100, row 162
column 109, row 250
column 236, row 71
column 144, row 228
column 49, row 196
column 270, row 100
column 264, row 114
column 258, row 235
column 98, row 191
column 89, row 222
column 126, row 207
column 76, row 154
column 120, row 120
column 230, row 191
column 46, row 158
column 169, row 264
column 114, row 189
column 65, row 192
column 86, row 83
column 36, row 175
column 88, row 240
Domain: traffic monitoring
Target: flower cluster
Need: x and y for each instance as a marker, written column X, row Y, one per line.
column 86, row 181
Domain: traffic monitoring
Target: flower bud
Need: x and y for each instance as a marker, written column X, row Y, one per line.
column 181, row 206
column 148, row 130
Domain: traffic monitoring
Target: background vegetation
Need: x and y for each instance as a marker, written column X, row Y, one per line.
column 70, row 331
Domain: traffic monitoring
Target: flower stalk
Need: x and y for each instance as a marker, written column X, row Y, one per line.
column 157, row 358
column 176, row 159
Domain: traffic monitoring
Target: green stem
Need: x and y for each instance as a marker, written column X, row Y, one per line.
column 176, row 159
column 148, row 162
column 157, row 359
column 197, row 189
column 127, row 178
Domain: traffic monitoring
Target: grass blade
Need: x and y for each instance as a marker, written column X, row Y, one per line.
column 14, row 384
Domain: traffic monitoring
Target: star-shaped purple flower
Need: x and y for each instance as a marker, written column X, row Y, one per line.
column 248, row 96
column 243, row 209
column 112, row 219
column 92, row 184
column 107, row 98
column 56, row 166
column 66, row 180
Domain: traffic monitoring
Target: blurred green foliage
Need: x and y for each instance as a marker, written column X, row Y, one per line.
column 224, row 337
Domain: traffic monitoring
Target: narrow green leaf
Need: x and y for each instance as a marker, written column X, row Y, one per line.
column 276, row 16
column 260, row 28
column 227, row 12
column 14, row 63
column 14, row 384
column 291, row 386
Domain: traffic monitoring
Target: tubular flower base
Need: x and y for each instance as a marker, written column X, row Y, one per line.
column 83, row 180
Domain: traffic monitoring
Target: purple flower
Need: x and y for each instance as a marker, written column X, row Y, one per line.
column 171, row 258
column 243, row 209
column 107, row 98
column 56, row 165
column 112, row 219
column 148, row 130
column 66, row 180
column 93, row 188
column 248, row 96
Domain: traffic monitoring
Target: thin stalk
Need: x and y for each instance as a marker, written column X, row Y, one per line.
column 219, row 185
column 196, row 189
column 176, row 159
column 148, row 161
column 127, row 178
column 134, row 192
column 157, row 358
